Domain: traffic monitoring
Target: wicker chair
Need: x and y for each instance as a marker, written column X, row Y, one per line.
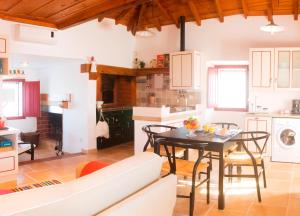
column 186, row 168
column 151, row 130
column 251, row 149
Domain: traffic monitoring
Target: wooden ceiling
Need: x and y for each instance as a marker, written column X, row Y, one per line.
column 139, row 14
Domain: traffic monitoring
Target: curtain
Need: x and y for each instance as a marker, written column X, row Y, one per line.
column 212, row 87
column 32, row 99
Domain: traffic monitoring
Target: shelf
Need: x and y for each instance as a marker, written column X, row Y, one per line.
column 150, row 71
column 7, row 149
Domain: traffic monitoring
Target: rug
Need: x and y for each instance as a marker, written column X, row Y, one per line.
column 37, row 185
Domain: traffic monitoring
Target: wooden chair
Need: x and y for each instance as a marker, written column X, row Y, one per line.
column 186, row 168
column 250, row 153
column 151, row 130
column 26, row 147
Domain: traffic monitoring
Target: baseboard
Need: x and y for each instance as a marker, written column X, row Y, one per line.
column 86, row 151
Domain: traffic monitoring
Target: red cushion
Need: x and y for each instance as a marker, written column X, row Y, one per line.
column 92, row 167
column 2, row 192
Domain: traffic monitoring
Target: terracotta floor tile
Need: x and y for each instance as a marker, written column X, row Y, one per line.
column 263, row 210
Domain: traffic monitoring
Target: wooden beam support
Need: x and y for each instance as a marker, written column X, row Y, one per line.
column 194, row 10
column 245, row 8
column 219, row 10
column 166, row 13
column 296, row 9
column 270, row 11
column 155, row 19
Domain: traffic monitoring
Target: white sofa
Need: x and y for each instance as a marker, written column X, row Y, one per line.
column 131, row 187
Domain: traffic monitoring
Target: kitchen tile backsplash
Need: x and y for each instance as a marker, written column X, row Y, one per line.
column 154, row 90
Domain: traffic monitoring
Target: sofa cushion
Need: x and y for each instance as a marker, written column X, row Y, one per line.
column 89, row 194
column 158, row 199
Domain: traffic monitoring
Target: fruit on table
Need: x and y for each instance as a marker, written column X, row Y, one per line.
column 191, row 123
column 208, row 129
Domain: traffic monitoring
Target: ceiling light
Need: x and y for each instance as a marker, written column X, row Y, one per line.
column 145, row 33
column 272, row 28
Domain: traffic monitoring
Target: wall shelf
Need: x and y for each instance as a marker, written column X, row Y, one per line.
column 150, row 71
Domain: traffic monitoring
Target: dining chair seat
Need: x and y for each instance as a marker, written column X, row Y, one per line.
column 179, row 152
column 185, row 167
column 242, row 158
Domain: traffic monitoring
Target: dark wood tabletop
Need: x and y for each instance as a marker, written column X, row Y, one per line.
column 215, row 142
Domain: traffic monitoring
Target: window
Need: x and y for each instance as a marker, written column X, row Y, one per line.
column 20, row 99
column 12, row 97
column 227, row 87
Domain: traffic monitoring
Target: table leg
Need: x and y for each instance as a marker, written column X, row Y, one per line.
column 221, row 198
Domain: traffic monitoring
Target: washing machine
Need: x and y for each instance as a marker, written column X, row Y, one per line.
column 286, row 140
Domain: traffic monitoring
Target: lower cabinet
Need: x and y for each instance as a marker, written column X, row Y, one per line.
column 121, row 128
column 259, row 124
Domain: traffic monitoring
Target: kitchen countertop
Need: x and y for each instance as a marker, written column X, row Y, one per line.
column 273, row 115
column 160, row 114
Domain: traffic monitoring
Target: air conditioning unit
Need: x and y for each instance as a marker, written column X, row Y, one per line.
column 34, row 34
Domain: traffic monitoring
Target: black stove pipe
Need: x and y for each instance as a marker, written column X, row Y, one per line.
column 182, row 33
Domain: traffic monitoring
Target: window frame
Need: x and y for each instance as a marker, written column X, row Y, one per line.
column 23, row 101
column 246, row 67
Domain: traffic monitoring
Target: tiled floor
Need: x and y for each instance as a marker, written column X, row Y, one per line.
column 280, row 198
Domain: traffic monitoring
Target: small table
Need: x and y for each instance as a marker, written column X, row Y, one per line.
column 215, row 144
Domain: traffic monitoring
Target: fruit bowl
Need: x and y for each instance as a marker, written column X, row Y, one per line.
column 191, row 124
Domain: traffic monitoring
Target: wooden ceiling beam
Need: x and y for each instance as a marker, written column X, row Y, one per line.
column 245, row 8
column 138, row 20
column 166, row 13
column 194, row 10
column 13, row 5
column 296, row 9
column 219, row 10
column 122, row 15
column 123, row 7
column 156, row 21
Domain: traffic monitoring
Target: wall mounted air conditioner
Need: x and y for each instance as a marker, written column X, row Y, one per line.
column 35, row 34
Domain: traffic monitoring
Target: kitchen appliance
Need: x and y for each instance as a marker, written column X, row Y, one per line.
column 296, row 107
column 286, row 140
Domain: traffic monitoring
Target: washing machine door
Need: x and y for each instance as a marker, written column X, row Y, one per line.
column 286, row 137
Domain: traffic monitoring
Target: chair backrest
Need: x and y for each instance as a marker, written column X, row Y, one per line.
column 227, row 125
column 170, row 146
column 253, row 141
column 151, row 130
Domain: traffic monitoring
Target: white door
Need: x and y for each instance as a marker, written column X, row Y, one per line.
column 187, row 70
column 176, row 65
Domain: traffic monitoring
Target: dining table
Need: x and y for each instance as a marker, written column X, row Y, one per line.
column 214, row 143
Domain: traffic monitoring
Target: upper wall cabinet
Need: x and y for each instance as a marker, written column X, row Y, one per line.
column 185, row 70
column 261, row 67
column 287, row 68
column 3, row 47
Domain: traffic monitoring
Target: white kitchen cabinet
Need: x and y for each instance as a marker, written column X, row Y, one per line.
column 259, row 124
column 261, row 67
column 3, row 47
column 185, row 70
column 287, row 68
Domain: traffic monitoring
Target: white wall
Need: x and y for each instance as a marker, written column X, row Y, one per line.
column 230, row 41
column 110, row 44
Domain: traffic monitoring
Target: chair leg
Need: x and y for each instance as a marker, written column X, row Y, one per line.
column 192, row 201
column 264, row 173
column 210, row 162
column 32, row 152
column 230, row 169
column 186, row 154
column 208, row 185
column 257, row 183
